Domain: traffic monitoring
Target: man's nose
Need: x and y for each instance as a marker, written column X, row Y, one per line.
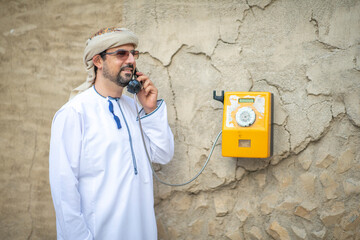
column 130, row 59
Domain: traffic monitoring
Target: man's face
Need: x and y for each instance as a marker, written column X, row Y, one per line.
column 117, row 68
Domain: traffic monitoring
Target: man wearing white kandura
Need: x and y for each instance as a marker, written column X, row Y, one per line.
column 100, row 178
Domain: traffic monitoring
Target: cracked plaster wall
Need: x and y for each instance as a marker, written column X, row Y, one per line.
column 306, row 53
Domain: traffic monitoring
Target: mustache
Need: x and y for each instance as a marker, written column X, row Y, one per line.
column 127, row 66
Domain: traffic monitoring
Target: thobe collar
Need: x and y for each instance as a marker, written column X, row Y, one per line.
column 111, row 107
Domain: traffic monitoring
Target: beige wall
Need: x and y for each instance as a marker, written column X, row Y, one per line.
column 305, row 52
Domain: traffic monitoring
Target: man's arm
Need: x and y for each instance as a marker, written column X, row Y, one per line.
column 156, row 127
column 157, row 130
column 65, row 150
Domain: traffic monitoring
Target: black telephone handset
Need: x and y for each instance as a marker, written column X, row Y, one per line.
column 134, row 85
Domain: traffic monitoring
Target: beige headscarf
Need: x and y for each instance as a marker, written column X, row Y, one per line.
column 104, row 39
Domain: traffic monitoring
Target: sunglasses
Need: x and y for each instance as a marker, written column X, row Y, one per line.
column 124, row 54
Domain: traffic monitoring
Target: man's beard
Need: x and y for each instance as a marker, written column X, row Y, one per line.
column 118, row 79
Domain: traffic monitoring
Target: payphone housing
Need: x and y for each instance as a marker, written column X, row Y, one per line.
column 247, row 124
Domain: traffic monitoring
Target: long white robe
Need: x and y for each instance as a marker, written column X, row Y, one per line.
column 101, row 181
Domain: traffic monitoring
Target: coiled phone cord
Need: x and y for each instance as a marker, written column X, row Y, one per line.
column 148, row 156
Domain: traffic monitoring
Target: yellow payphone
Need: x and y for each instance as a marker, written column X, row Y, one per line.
column 247, row 128
column 247, row 124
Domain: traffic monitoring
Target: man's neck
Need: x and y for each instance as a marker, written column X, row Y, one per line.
column 107, row 88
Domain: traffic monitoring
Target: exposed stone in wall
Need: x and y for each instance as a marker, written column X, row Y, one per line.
column 306, row 53
column 299, row 233
column 277, row 231
column 294, row 51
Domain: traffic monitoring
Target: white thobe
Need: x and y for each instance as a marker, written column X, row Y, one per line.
column 100, row 178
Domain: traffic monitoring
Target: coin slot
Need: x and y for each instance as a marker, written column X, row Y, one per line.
column 244, row 143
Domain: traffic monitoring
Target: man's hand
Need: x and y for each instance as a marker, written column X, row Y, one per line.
column 148, row 94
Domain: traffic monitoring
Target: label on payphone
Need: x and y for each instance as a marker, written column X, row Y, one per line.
column 247, row 122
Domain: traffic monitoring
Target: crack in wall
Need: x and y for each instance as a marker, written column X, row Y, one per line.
column 325, row 45
column 251, row 7
column 329, row 46
column 193, row 190
column 216, row 69
column 355, row 61
column 219, row 33
column 212, row 54
column 238, row 30
column 153, row 57
column 309, row 139
column 31, row 185
column 311, row 105
column 156, row 14
column 175, row 52
column 288, row 131
column 329, row 95
column 265, row 6
column 174, row 101
column 277, row 86
column 352, row 121
column 309, row 80
column 315, row 24
column 251, row 79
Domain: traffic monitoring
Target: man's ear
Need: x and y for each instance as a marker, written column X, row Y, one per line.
column 98, row 61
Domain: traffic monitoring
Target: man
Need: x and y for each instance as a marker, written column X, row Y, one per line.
column 101, row 180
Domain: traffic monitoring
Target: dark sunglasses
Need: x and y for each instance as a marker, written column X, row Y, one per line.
column 124, row 54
